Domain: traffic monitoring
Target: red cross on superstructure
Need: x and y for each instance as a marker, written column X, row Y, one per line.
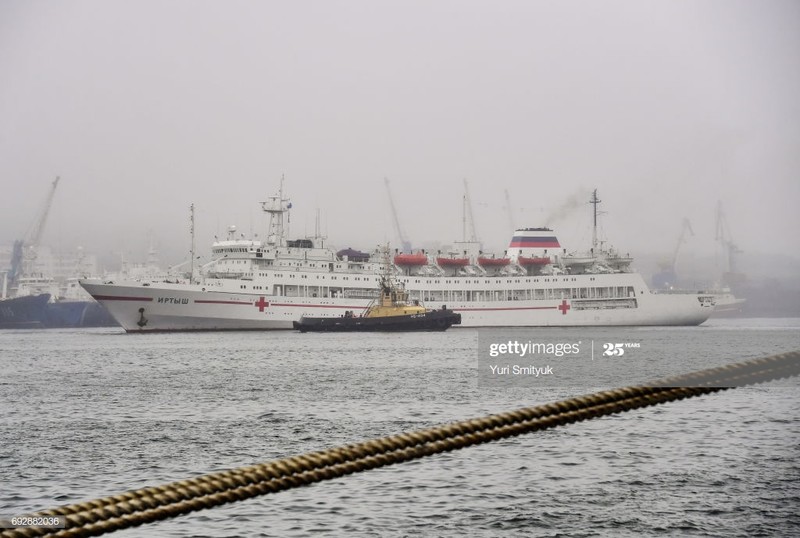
column 563, row 307
column 261, row 304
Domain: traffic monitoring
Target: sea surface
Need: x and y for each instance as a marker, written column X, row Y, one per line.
column 94, row 412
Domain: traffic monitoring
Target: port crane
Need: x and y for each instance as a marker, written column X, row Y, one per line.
column 23, row 256
column 729, row 249
column 686, row 228
column 667, row 277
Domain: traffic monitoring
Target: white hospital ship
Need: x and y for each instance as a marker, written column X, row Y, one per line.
column 253, row 284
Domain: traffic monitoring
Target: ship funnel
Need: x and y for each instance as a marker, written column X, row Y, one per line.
column 533, row 243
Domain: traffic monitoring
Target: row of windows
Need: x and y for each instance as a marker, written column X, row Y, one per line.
column 230, row 250
column 610, row 292
column 508, row 281
column 615, row 292
column 418, row 281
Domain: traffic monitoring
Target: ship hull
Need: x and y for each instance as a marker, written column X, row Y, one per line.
column 72, row 314
column 194, row 307
column 26, row 312
column 727, row 305
column 138, row 308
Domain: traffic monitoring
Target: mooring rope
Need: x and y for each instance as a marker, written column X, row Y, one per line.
column 133, row 508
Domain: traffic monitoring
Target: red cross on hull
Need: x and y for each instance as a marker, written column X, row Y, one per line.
column 261, row 304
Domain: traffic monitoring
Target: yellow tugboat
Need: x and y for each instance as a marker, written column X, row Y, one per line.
column 391, row 311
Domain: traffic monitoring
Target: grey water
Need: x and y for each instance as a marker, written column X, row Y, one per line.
column 95, row 412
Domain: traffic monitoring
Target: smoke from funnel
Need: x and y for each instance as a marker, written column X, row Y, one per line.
column 575, row 201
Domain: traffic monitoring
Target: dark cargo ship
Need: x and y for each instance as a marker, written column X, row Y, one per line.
column 26, row 312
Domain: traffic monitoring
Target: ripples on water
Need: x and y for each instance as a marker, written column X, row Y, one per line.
column 90, row 413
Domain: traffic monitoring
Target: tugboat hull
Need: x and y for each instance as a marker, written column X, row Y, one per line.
column 436, row 320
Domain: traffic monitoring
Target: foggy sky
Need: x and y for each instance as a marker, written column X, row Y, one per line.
column 145, row 107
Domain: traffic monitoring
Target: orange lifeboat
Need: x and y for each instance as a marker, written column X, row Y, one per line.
column 493, row 262
column 411, row 259
column 453, row 262
column 527, row 262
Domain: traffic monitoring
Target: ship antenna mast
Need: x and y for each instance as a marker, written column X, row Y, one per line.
column 510, row 211
column 467, row 215
column 386, row 271
column 191, row 251
column 276, row 206
column 594, row 201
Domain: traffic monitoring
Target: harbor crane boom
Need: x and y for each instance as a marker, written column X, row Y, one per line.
column 723, row 235
column 24, row 254
column 34, row 235
column 405, row 244
column 667, row 277
column 686, row 226
column 468, row 216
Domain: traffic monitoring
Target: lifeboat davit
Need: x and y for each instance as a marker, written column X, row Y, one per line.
column 527, row 262
column 411, row 259
column 493, row 262
column 453, row 262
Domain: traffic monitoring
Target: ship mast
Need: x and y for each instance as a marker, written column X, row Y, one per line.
column 318, row 237
column 276, row 206
column 385, row 264
column 191, row 251
column 510, row 212
column 594, row 201
column 391, row 291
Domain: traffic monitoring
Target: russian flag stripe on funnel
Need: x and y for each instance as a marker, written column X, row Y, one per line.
column 535, row 242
